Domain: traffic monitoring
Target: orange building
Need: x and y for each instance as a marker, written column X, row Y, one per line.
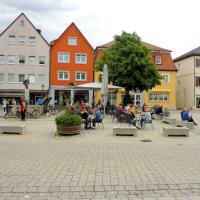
column 71, row 65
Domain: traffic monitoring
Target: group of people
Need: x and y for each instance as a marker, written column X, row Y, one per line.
column 185, row 116
column 9, row 104
column 131, row 115
column 90, row 116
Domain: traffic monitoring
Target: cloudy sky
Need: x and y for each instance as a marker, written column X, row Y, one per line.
column 171, row 24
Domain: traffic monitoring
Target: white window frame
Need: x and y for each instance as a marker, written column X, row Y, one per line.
column 11, row 56
column 158, row 59
column 21, row 59
column 80, row 76
column 2, row 59
column 165, row 78
column 44, row 78
column 63, row 78
column 30, row 79
column 22, row 41
column 72, row 41
column 81, row 62
column 32, row 40
column 13, row 76
column 1, row 75
column 159, row 97
column 12, row 39
column 39, row 59
column 62, row 60
column 19, row 79
column 29, row 60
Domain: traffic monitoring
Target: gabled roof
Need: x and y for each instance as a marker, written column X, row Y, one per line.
column 155, row 48
column 150, row 46
column 22, row 14
column 194, row 52
column 72, row 24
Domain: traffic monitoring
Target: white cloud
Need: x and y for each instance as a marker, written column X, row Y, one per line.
column 171, row 24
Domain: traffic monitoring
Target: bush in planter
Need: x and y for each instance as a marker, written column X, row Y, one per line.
column 68, row 123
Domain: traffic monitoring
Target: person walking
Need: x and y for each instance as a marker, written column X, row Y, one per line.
column 22, row 109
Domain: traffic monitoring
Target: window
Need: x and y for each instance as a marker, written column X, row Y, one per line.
column 32, row 60
column 31, row 78
column 164, row 97
column 21, row 39
column 64, row 75
column 1, row 77
column 41, row 78
column 11, row 78
column 63, row 57
column 197, row 81
column 32, row 40
column 21, row 78
column 41, row 60
column 2, row 57
column 80, row 76
column 12, row 39
column 165, row 78
column 21, row 59
column 72, row 41
column 197, row 62
column 81, row 58
column 158, row 60
column 11, row 59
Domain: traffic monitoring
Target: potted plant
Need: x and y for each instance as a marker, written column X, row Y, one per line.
column 68, row 123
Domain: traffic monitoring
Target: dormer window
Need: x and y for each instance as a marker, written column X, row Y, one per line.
column 158, row 60
column 72, row 41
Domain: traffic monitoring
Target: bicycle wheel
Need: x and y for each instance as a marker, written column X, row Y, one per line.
column 36, row 114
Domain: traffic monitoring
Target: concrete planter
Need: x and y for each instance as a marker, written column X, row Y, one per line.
column 68, row 130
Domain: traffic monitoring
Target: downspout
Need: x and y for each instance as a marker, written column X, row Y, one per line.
column 194, row 82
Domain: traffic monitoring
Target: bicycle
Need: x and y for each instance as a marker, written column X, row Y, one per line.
column 33, row 113
column 51, row 110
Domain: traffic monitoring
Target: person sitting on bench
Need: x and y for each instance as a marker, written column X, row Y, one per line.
column 187, row 117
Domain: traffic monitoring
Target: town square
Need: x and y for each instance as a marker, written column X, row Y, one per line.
column 99, row 100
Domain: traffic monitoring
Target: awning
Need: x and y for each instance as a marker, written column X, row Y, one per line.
column 95, row 86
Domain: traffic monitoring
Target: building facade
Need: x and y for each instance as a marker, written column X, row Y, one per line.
column 24, row 54
column 163, row 95
column 71, row 65
column 188, row 79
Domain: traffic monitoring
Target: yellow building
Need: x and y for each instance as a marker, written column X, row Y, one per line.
column 163, row 94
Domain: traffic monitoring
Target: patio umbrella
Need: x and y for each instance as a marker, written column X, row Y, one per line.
column 104, row 89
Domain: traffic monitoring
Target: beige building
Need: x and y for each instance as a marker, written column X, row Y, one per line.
column 24, row 54
column 188, row 79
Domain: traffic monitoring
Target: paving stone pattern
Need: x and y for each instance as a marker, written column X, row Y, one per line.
column 41, row 165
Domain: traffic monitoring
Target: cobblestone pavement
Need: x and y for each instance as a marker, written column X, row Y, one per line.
column 40, row 165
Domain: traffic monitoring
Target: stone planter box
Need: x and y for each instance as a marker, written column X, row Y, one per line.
column 68, row 130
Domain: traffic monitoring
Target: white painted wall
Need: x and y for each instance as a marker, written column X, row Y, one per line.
column 40, row 49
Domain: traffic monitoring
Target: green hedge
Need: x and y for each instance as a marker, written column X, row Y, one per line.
column 68, row 119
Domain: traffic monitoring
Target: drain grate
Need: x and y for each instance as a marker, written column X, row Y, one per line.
column 146, row 140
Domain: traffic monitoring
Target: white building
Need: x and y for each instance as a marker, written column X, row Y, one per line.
column 188, row 79
column 24, row 54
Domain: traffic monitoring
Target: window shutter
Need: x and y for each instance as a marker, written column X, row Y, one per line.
column 197, row 81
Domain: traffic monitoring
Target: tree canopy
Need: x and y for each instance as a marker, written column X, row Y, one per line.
column 129, row 63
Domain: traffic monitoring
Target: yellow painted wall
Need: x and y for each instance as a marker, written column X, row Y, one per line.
column 169, row 88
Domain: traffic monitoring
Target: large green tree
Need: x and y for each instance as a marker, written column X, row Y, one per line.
column 129, row 64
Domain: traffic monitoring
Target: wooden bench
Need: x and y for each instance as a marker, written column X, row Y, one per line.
column 124, row 130
column 189, row 125
column 176, row 131
column 19, row 129
column 169, row 120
